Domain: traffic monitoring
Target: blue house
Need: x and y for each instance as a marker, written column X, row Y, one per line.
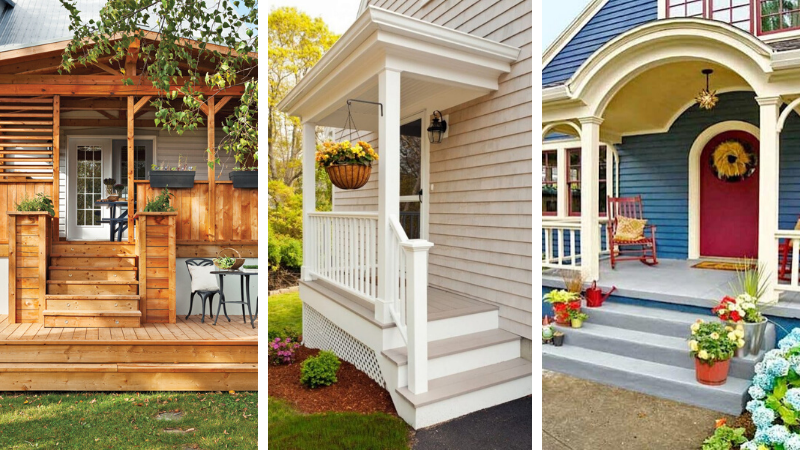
column 690, row 105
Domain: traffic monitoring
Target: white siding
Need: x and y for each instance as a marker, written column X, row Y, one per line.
column 480, row 212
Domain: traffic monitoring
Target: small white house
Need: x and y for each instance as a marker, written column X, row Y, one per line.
column 422, row 278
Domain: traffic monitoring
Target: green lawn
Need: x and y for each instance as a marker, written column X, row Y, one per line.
column 89, row 420
column 289, row 429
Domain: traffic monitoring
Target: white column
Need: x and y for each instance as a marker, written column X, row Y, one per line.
column 388, row 182
column 417, row 320
column 590, row 176
column 309, row 195
column 768, row 159
column 562, row 187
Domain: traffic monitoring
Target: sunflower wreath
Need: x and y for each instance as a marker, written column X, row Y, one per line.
column 733, row 160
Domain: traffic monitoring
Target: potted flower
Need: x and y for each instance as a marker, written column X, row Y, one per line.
column 109, row 183
column 712, row 345
column 558, row 338
column 576, row 317
column 178, row 176
column 118, row 188
column 347, row 165
column 563, row 301
column 746, row 307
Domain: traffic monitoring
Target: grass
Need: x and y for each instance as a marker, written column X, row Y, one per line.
column 88, row 420
column 289, row 429
column 285, row 310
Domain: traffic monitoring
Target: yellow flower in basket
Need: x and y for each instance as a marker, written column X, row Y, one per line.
column 331, row 153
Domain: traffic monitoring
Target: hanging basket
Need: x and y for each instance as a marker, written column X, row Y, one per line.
column 349, row 176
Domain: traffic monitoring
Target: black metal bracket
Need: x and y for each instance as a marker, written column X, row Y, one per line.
column 349, row 100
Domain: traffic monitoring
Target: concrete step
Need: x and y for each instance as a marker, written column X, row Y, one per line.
column 465, row 392
column 460, row 353
column 669, row 350
column 660, row 380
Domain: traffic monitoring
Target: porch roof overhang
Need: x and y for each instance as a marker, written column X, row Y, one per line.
column 439, row 67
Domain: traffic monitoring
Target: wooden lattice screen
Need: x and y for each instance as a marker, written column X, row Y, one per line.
column 28, row 129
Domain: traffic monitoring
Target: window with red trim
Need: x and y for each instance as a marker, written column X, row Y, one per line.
column 738, row 13
column 549, row 183
column 574, row 181
column 778, row 15
column 686, row 8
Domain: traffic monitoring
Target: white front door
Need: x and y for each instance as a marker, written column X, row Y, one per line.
column 413, row 178
column 88, row 163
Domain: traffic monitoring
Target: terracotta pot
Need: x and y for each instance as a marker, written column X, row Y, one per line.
column 576, row 323
column 712, row 375
column 562, row 319
column 349, row 176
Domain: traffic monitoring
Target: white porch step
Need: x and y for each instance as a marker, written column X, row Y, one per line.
column 469, row 391
column 461, row 353
column 660, row 380
column 662, row 349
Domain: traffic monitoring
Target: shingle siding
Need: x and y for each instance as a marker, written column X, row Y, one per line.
column 613, row 19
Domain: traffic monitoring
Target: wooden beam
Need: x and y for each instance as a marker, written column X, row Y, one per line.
column 12, row 268
column 107, row 114
column 99, row 123
column 212, row 179
column 131, row 187
column 116, row 89
column 83, row 80
column 131, row 59
column 140, row 104
column 204, row 107
column 222, row 102
column 108, row 68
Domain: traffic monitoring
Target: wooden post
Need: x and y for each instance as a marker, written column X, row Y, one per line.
column 56, row 149
column 417, row 320
column 768, row 176
column 212, row 179
column 29, row 243
column 309, row 195
column 12, row 268
column 388, row 184
column 131, row 186
column 590, row 210
column 157, row 251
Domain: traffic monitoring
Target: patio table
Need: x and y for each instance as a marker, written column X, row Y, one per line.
column 117, row 224
column 245, row 287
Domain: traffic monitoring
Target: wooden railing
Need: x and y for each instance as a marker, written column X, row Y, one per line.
column 345, row 251
column 561, row 242
column 794, row 259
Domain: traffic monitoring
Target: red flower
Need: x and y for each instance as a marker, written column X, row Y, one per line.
column 723, row 316
column 558, row 307
column 735, row 316
column 716, row 308
column 575, row 305
column 728, row 299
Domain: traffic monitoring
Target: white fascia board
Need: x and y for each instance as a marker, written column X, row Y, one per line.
column 378, row 31
column 577, row 25
column 555, row 94
column 789, row 59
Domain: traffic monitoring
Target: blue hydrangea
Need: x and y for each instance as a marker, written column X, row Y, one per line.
column 759, row 367
column 773, row 354
column 752, row 405
column 756, row 392
column 761, row 436
column 764, row 381
column 777, row 367
column 789, row 342
column 793, row 443
column 763, row 417
column 750, row 445
column 793, row 398
column 777, row 434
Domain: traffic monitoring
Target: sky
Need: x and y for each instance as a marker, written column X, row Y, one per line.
column 559, row 13
column 338, row 14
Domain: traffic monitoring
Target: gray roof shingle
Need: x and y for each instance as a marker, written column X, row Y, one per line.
column 35, row 22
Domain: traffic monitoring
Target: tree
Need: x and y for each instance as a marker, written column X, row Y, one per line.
column 296, row 43
column 183, row 45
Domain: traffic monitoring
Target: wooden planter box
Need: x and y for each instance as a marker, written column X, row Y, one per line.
column 244, row 179
column 29, row 240
column 155, row 247
column 172, row 179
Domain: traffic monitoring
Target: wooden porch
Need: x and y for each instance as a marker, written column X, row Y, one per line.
column 186, row 355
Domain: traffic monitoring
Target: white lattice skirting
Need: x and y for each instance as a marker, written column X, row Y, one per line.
column 321, row 333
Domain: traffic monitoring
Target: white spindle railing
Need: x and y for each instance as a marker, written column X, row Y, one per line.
column 793, row 236
column 345, row 250
column 562, row 242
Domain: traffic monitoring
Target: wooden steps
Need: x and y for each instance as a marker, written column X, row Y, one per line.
column 92, row 285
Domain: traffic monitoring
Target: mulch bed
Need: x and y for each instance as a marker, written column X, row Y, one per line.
column 353, row 392
column 282, row 279
column 746, row 422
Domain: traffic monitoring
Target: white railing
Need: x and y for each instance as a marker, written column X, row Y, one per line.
column 407, row 296
column 794, row 258
column 345, row 250
column 562, row 242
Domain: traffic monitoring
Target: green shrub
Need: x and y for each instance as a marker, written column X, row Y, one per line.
column 320, row 370
column 284, row 251
column 41, row 202
column 160, row 203
column 725, row 438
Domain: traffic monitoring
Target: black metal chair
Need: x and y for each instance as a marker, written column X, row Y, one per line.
column 204, row 295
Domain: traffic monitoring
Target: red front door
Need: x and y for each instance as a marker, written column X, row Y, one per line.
column 729, row 201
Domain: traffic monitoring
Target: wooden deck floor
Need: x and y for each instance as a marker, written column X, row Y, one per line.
column 185, row 356
column 191, row 330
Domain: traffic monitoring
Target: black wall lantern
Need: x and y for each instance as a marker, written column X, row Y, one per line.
column 437, row 128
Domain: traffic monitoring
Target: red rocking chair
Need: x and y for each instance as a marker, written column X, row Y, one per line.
column 785, row 270
column 642, row 249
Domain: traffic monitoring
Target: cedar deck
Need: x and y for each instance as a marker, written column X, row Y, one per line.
column 187, row 355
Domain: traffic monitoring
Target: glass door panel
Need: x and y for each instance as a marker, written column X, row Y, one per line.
column 411, row 193
column 89, row 179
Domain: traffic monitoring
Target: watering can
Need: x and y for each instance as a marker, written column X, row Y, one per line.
column 595, row 296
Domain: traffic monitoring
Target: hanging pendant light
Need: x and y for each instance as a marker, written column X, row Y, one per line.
column 706, row 98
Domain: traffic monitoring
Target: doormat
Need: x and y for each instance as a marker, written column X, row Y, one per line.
column 720, row 265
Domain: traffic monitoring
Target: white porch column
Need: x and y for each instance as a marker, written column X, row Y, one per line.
column 309, row 195
column 769, row 144
column 388, row 182
column 590, row 211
